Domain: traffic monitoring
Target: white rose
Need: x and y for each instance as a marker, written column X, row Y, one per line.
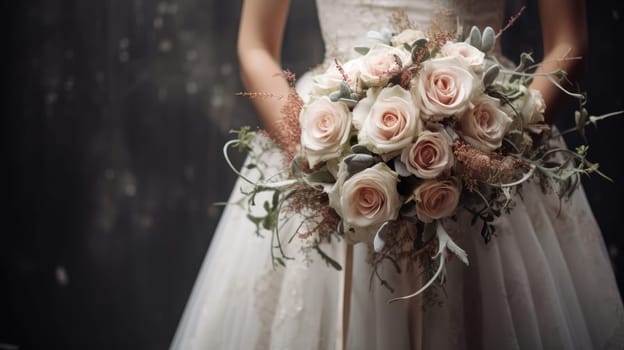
column 368, row 198
column 329, row 81
column 484, row 125
column 325, row 127
column 380, row 64
column 436, row 199
column 387, row 120
column 470, row 54
column 445, row 87
column 430, row 155
column 408, row 36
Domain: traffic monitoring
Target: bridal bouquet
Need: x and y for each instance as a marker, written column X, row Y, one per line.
column 398, row 139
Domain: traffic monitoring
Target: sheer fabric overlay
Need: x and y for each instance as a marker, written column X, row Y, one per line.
column 544, row 282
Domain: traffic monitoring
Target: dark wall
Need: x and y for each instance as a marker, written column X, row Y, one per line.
column 116, row 113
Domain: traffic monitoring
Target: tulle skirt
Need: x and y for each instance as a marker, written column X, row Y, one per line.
column 543, row 282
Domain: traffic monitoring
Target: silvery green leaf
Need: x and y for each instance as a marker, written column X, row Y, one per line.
column 362, row 50
column 335, row 96
column 488, row 39
column 400, row 168
column 354, row 96
column 514, row 94
column 474, row 38
column 349, row 102
column 360, row 149
column 445, row 244
column 358, row 162
column 451, row 133
column 380, row 236
column 321, row 176
column 525, row 61
column 445, row 241
column 491, row 74
column 345, row 91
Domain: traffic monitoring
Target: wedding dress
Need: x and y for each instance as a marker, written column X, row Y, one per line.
column 544, row 282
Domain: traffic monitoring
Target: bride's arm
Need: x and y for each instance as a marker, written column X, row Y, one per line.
column 564, row 31
column 259, row 47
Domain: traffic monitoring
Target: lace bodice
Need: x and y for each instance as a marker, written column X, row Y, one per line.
column 344, row 23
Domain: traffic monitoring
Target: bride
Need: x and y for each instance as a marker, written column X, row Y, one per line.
column 544, row 282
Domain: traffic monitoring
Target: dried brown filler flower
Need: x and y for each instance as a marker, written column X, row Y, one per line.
column 486, row 167
column 289, row 136
column 400, row 21
column 313, row 205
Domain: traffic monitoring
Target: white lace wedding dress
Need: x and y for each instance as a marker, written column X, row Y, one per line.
column 544, row 282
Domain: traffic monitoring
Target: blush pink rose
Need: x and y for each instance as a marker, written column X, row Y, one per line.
column 325, row 127
column 330, row 81
column 445, row 87
column 408, row 36
column 380, row 63
column 387, row 119
column 368, row 198
column 484, row 125
column 436, row 199
column 430, row 156
column 531, row 107
column 470, row 54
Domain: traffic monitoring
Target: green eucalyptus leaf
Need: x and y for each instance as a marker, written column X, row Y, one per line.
column 275, row 199
column 270, row 221
column 255, row 219
column 362, row 50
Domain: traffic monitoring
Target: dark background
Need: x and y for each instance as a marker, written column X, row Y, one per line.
column 116, row 113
